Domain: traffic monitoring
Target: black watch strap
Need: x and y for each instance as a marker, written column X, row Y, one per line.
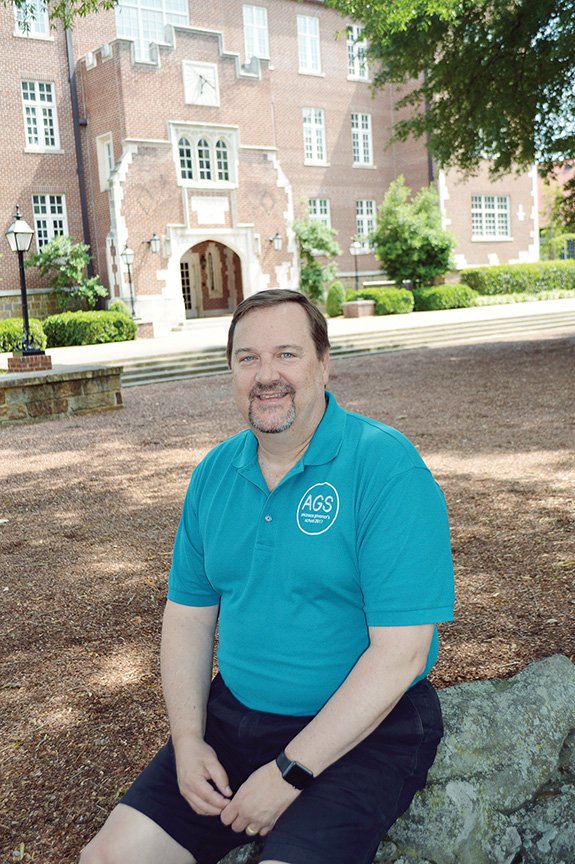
column 293, row 773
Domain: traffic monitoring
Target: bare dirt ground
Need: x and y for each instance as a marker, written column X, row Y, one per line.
column 91, row 506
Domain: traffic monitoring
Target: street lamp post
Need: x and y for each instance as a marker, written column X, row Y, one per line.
column 19, row 236
column 128, row 257
column 354, row 250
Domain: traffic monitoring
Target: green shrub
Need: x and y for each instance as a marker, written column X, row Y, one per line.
column 335, row 298
column 88, row 328
column 521, row 278
column 63, row 262
column 444, row 297
column 119, row 306
column 388, row 301
column 12, row 329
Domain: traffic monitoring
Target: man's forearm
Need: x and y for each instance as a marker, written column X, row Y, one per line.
column 370, row 692
column 186, row 663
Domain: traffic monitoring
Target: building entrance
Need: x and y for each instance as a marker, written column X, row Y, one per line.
column 211, row 279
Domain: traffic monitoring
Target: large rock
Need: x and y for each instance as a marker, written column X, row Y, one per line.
column 503, row 777
column 502, row 789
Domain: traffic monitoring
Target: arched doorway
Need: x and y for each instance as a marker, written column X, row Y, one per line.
column 211, row 278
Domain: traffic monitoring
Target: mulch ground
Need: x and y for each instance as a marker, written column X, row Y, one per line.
column 89, row 509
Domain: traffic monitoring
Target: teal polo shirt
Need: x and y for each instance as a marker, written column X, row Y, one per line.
column 355, row 535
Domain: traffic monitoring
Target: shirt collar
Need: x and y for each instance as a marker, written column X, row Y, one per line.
column 324, row 446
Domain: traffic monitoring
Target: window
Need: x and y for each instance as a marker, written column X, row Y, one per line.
column 186, row 160
column 222, row 164
column 361, row 139
column 144, row 21
column 204, row 160
column 490, row 217
column 356, row 53
column 314, row 136
column 256, row 32
column 319, row 210
column 105, row 154
column 206, row 157
column 49, row 217
column 40, row 115
column 308, row 44
column 32, row 19
column 364, row 221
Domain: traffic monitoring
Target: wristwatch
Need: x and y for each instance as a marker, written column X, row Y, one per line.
column 294, row 773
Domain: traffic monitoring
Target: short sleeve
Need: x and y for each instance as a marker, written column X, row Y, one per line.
column 187, row 582
column 404, row 553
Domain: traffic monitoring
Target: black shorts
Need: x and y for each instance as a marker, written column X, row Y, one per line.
column 341, row 817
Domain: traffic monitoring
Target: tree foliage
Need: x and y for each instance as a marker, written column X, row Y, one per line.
column 408, row 238
column 487, row 78
column 63, row 262
column 62, row 12
column 314, row 239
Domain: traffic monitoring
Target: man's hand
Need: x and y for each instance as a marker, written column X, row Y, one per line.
column 202, row 779
column 260, row 801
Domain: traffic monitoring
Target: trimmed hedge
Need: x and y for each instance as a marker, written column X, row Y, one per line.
column 434, row 297
column 88, row 328
column 521, row 278
column 11, row 330
column 388, row 301
column 335, row 299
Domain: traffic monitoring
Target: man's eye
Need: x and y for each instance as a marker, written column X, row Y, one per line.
column 247, row 358
column 287, row 354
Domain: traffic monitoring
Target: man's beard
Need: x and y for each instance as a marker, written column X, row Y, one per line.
column 271, row 426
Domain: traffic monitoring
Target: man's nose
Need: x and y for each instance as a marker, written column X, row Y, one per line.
column 267, row 371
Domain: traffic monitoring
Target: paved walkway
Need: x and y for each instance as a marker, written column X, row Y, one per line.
column 212, row 332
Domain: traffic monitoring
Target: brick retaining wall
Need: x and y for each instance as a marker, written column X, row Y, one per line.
column 50, row 395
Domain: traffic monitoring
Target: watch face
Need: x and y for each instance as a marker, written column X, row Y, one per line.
column 298, row 776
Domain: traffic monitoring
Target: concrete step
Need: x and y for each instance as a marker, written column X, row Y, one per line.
column 212, row 361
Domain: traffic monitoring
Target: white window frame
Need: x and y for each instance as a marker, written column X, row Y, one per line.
column 490, row 217
column 144, row 22
column 314, row 138
column 207, row 172
column 40, row 115
column 32, row 20
column 308, row 44
column 319, row 211
column 361, row 142
column 357, row 65
column 365, row 210
column 50, row 218
column 256, row 36
column 105, row 155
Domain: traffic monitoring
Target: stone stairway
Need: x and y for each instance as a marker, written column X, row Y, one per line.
column 212, row 361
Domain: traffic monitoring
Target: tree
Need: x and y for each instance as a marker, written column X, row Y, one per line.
column 64, row 263
column 60, row 11
column 408, row 238
column 487, row 78
column 315, row 239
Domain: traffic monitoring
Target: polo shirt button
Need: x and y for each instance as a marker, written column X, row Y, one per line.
column 268, row 518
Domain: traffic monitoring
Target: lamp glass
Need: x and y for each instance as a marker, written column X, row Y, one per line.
column 128, row 255
column 154, row 243
column 19, row 235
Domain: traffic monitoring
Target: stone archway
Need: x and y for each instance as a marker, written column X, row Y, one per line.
column 211, row 279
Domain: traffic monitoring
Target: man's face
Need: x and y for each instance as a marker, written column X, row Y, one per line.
column 278, row 380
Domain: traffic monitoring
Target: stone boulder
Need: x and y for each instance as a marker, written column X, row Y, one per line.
column 502, row 789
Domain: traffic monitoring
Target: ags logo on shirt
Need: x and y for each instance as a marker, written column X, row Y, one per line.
column 318, row 509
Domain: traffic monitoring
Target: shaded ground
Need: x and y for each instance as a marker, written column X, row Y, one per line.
column 91, row 508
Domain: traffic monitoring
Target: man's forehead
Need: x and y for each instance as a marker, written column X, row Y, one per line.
column 288, row 318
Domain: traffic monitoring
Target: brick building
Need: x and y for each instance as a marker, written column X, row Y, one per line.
column 196, row 133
